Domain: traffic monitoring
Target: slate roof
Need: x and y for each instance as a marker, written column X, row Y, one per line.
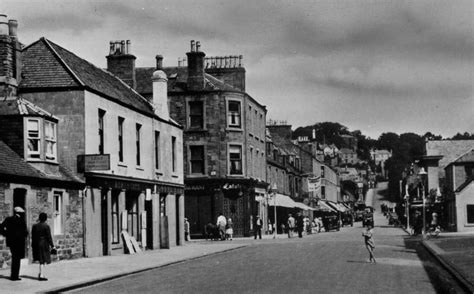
column 177, row 80
column 14, row 165
column 19, row 106
column 465, row 184
column 48, row 65
column 449, row 149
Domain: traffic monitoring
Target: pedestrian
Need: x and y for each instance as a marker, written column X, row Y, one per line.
column 257, row 228
column 15, row 231
column 291, row 225
column 221, row 224
column 299, row 224
column 229, row 232
column 369, row 242
column 42, row 243
column 187, row 236
column 270, row 227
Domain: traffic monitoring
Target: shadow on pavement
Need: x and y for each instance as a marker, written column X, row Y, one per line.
column 441, row 280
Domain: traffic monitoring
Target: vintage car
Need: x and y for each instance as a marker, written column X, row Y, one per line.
column 331, row 222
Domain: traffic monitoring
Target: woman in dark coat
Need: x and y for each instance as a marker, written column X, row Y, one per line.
column 42, row 242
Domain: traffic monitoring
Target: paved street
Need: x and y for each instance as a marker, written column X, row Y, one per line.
column 332, row 262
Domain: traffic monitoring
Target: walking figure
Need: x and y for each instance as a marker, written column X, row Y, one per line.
column 15, row 231
column 42, row 243
column 369, row 242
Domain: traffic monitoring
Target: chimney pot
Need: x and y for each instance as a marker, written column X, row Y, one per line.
column 240, row 61
column 129, row 47
column 12, row 27
column 122, row 47
column 198, row 46
column 3, row 24
column 159, row 62
column 192, row 46
column 112, row 46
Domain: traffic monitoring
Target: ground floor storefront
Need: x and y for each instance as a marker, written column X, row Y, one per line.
column 151, row 212
column 234, row 198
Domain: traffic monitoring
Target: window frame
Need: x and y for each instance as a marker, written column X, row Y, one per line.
column 191, row 160
column 38, row 139
column 173, row 154
column 138, row 128
column 100, row 129
column 121, row 124
column 52, row 140
column 229, row 160
column 157, row 150
column 235, row 127
column 189, row 117
column 468, row 217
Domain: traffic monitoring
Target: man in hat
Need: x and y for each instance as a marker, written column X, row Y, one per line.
column 15, row 231
column 257, row 230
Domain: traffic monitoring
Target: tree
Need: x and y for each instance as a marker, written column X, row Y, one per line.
column 465, row 136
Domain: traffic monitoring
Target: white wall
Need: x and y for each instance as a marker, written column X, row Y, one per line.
column 463, row 198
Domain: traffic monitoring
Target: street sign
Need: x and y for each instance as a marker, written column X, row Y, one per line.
column 314, row 184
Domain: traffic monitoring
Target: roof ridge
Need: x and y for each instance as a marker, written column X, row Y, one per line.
column 62, row 60
column 460, row 156
column 126, row 85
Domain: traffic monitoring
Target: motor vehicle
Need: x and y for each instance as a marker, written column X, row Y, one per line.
column 331, row 222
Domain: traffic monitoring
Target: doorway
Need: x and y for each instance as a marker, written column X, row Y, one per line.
column 19, row 200
column 104, row 220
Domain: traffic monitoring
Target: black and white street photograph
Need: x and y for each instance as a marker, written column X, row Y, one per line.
column 219, row 146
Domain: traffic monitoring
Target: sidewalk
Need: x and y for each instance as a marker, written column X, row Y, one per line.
column 456, row 252
column 70, row 273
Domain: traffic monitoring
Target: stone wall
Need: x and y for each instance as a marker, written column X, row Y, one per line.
column 40, row 199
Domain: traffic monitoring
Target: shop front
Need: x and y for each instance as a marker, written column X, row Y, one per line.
column 152, row 212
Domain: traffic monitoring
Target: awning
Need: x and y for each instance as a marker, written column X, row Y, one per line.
column 282, row 201
column 286, row 201
column 335, row 206
column 324, row 206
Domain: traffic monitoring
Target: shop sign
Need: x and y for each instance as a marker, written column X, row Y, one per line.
column 194, row 188
column 231, row 186
column 93, row 162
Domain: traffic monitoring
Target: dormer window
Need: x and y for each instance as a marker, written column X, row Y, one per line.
column 41, row 138
column 34, row 138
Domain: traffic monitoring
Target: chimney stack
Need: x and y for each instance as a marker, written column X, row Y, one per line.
column 160, row 90
column 195, row 67
column 121, row 62
column 10, row 57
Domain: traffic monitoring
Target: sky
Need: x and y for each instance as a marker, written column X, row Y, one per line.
column 374, row 66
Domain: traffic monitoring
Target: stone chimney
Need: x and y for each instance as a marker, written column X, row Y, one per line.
column 195, row 67
column 160, row 90
column 121, row 62
column 10, row 57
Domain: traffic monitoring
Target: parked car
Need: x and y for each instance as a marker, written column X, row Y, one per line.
column 331, row 222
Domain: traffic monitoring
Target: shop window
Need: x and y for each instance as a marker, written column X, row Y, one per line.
column 234, row 116
column 470, row 213
column 196, row 159
column 235, row 159
column 57, row 213
column 101, row 131
column 196, row 114
column 115, row 217
column 132, row 215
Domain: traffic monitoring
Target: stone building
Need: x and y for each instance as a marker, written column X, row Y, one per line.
column 125, row 148
column 31, row 177
column 224, row 138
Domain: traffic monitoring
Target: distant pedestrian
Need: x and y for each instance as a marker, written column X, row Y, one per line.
column 41, row 243
column 187, row 235
column 270, row 227
column 221, row 224
column 257, row 228
column 369, row 242
column 229, row 232
column 291, row 225
column 15, row 230
column 300, row 224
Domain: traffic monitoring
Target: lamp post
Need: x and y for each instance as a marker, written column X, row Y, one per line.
column 407, row 199
column 274, row 192
column 423, row 173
